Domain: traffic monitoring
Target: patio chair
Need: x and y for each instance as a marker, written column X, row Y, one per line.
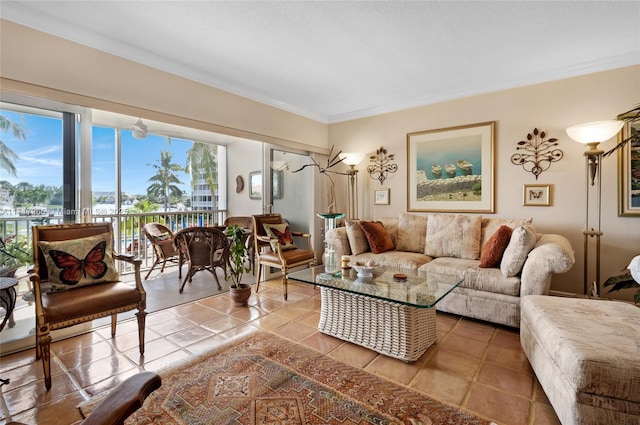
column 75, row 281
column 203, row 248
column 274, row 246
column 164, row 248
column 246, row 222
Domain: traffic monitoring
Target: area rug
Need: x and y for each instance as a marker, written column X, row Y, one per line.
column 265, row 379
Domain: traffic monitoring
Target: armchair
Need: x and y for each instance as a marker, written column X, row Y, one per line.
column 122, row 401
column 275, row 247
column 69, row 291
column 204, row 248
column 162, row 240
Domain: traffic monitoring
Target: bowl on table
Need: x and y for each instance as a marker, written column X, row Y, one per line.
column 367, row 270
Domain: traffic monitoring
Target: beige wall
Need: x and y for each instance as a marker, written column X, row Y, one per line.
column 37, row 64
column 551, row 107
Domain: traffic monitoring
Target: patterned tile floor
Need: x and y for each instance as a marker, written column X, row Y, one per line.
column 475, row 365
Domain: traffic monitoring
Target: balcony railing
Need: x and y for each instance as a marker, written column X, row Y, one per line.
column 127, row 228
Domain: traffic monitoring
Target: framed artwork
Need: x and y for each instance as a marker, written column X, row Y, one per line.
column 536, row 195
column 255, row 185
column 381, row 196
column 451, row 169
column 629, row 173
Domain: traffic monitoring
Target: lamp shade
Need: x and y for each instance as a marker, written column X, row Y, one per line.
column 352, row 158
column 594, row 132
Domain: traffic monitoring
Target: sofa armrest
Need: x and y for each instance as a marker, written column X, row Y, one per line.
column 552, row 254
column 337, row 238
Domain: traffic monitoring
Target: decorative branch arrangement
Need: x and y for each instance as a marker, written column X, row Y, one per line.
column 332, row 161
column 539, row 153
column 629, row 116
column 381, row 165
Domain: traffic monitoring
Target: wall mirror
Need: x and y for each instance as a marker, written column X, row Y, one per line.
column 255, row 185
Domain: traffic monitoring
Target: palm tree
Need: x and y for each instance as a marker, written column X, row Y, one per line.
column 202, row 162
column 7, row 156
column 165, row 181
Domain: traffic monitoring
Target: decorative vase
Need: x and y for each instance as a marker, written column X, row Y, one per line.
column 240, row 295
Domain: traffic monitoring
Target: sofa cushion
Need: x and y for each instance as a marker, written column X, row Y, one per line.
column 73, row 263
column 377, row 236
column 594, row 343
column 412, row 230
column 523, row 240
column 357, row 239
column 485, row 280
column 493, row 249
column 455, row 236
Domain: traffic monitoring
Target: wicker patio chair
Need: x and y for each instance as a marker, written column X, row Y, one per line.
column 203, row 248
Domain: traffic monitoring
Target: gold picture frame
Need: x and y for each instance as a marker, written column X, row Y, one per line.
column 536, row 195
column 629, row 172
column 452, row 169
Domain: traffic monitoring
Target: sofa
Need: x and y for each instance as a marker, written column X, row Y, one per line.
column 501, row 259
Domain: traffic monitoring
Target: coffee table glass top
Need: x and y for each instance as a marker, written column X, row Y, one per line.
column 420, row 289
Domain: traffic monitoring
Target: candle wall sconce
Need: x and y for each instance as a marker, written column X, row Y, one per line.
column 381, row 165
column 538, row 153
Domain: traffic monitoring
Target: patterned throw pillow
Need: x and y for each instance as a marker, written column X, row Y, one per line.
column 523, row 240
column 79, row 262
column 493, row 249
column 282, row 232
column 377, row 236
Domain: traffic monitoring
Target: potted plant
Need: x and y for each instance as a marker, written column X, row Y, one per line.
column 14, row 253
column 239, row 292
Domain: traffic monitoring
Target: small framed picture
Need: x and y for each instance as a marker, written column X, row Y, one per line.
column 381, row 196
column 537, row 195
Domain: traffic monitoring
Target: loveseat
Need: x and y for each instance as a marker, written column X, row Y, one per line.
column 501, row 260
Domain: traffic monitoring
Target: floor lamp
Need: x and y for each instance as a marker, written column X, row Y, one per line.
column 352, row 159
column 592, row 134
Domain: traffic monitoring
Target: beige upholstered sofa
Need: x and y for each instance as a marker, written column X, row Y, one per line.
column 453, row 243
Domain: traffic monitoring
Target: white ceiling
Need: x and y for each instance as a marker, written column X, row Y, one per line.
column 334, row 60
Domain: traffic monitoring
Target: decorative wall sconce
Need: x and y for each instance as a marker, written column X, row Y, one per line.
column 539, row 153
column 381, row 165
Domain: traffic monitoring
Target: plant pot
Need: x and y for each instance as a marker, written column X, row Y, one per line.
column 240, row 296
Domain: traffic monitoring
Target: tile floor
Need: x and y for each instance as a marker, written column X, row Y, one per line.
column 477, row 366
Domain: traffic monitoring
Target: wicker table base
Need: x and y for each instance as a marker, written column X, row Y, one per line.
column 390, row 328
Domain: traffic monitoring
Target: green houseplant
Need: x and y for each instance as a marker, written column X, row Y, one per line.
column 14, row 253
column 238, row 254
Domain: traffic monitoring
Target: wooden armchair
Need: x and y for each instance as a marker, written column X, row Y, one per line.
column 204, row 248
column 83, row 300
column 276, row 248
column 164, row 248
column 122, row 401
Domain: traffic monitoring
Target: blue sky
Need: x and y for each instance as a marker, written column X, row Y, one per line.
column 40, row 155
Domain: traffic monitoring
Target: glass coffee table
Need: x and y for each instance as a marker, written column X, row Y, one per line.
column 394, row 317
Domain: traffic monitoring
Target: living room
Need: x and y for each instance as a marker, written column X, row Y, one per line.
column 44, row 66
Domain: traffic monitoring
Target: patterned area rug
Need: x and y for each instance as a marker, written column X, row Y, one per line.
column 264, row 379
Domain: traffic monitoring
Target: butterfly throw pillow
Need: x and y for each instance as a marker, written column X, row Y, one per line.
column 79, row 262
column 282, row 232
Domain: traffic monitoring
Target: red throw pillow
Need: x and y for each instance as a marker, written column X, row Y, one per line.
column 377, row 236
column 493, row 249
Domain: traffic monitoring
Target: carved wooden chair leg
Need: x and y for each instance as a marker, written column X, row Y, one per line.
column 142, row 315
